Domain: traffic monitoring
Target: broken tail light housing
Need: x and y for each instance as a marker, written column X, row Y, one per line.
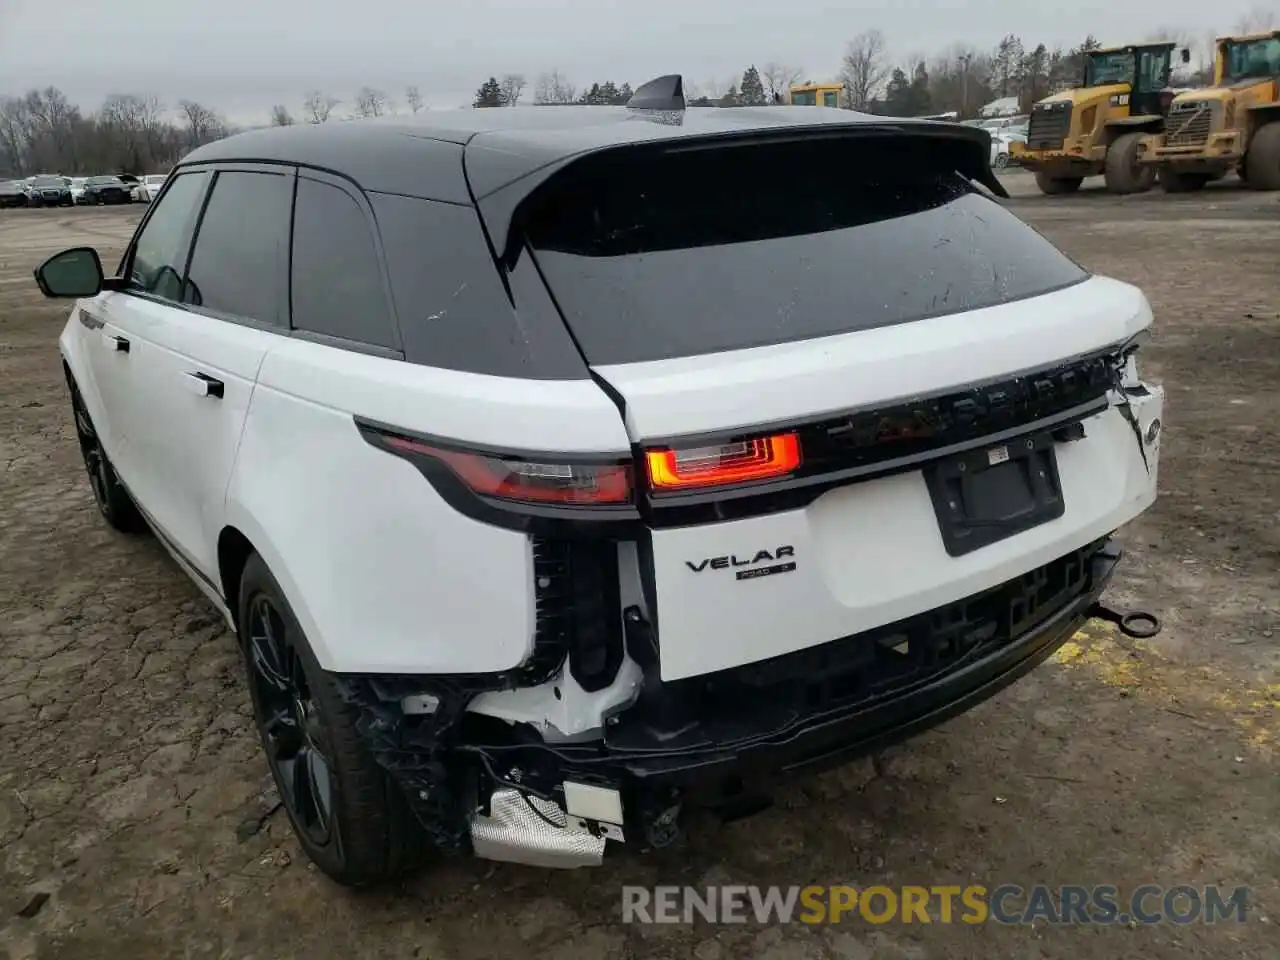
column 743, row 461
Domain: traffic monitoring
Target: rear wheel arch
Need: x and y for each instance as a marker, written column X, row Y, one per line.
column 234, row 550
column 243, row 537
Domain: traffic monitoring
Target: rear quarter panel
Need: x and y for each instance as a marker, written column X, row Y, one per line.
column 384, row 576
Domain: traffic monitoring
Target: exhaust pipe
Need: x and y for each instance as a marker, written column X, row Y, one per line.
column 525, row 829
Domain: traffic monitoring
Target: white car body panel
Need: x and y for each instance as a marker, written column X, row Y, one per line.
column 181, row 445
column 852, row 544
column 440, row 592
column 763, row 385
column 870, row 554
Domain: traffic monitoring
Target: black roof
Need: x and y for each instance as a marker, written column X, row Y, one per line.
column 421, row 155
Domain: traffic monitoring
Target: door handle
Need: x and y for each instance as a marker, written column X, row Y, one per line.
column 203, row 385
column 119, row 344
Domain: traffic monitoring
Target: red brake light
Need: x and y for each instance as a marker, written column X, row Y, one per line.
column 531, row 482
column 739, row 462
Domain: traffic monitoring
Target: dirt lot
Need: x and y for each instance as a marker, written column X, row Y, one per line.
column 132, row 790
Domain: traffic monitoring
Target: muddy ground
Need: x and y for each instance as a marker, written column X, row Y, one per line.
column 132, row 789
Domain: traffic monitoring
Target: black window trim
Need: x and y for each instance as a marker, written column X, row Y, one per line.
column 342, row 343
column 352, row 190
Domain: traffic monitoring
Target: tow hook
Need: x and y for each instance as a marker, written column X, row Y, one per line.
column 1137, row 624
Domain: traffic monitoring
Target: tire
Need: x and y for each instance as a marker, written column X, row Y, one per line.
column 1001, row 161
column 1053, row 186
column 114, row 502
column 1122, row 172
column 1262, row 163
column 348, row 815
column 1172, row 182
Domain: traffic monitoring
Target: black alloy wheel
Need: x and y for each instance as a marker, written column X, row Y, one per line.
column 289, row 720
column 112, row 499
column 347, row 814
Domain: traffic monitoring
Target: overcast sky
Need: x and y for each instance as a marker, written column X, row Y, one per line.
column 241, row 56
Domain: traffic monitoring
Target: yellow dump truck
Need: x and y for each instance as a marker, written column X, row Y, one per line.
column 1098, row 127
column 1234, row 123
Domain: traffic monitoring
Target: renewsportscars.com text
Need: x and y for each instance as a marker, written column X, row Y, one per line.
column 972, row 904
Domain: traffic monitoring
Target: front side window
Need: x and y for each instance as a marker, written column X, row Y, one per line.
column 239, row 266
column 804, row 98
column 338, row 290
column 830, row 98
column 160, row 252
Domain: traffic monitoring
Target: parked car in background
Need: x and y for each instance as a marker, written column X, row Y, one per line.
column 151, row 186
column 999, row 151
column 102, row 190
column 49, row 191
column 13, row 194
column 77, row 188
column 134, row 183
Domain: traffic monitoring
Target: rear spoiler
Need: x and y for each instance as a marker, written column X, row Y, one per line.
column 658, row 99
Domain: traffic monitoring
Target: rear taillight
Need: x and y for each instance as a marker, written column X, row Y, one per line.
column 690, row 468
column 570, row 484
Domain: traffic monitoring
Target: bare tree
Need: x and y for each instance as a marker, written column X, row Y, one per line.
column 864, row 68
column 512, row 85
column 51, row 122
column 371, row 102
column 318, row 106
column 1257, row 20
column 779, row 79
column 280, row 116
column 554, row 87
column 413, row 98
column 203, row 124
column 15, row 134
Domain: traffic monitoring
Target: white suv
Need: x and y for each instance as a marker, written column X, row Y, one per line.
column 558, row 470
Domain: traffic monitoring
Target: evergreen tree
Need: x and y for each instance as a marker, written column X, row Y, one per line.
column 752, row 92
column 897, row 95
column 490, row 94
column 920, row 102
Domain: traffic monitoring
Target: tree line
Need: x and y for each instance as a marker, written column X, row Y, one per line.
column 43, row 132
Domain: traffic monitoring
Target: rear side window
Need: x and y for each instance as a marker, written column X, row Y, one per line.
column 661, row 255
column 239, row 266
column 453, row 308
column 338, row 288
column 160, row 253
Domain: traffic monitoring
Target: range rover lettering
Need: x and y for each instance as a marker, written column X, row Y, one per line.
column 557, row 471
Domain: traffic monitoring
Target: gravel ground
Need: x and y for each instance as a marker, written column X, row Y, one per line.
column 133, row 794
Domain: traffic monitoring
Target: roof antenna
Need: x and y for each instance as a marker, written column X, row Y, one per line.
column 664, row 94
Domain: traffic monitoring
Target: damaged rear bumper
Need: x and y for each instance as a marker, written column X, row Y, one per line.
column 478, row 783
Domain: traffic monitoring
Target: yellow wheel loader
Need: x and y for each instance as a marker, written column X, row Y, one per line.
column 817, row 94
column 1098, row 127
column 1234, row 123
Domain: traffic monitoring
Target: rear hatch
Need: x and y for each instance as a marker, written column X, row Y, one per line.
column 791, row 329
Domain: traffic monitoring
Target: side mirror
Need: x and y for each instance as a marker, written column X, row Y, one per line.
column 72, row 273
column 1186, row 55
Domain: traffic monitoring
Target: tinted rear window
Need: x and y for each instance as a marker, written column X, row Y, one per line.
column 677, row 254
